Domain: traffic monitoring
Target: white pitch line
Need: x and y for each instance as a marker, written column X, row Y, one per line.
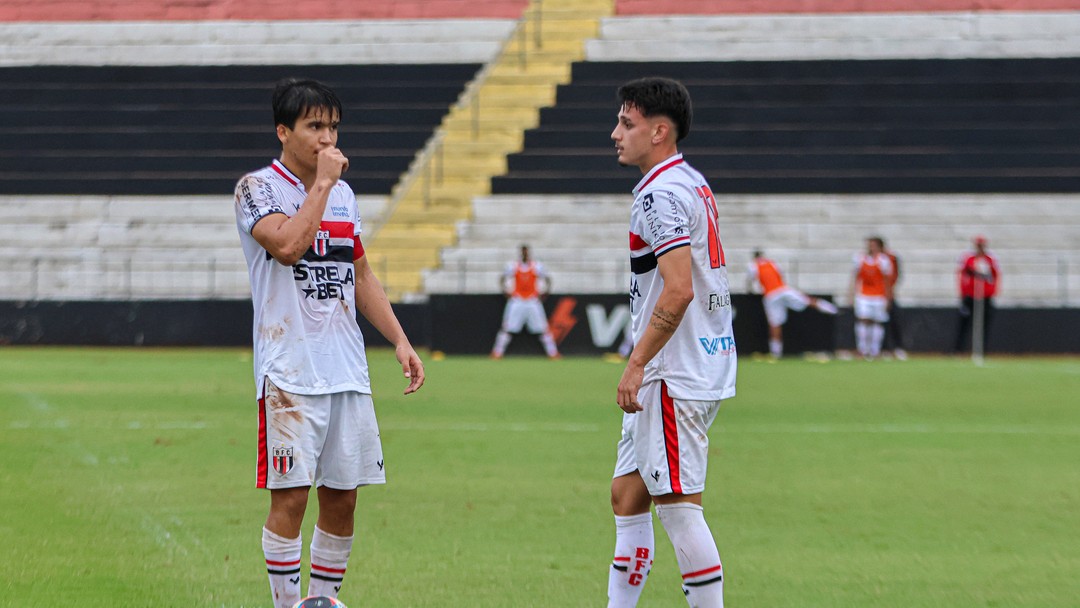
column 485, row 427
column 926, row 429
column 61, row 423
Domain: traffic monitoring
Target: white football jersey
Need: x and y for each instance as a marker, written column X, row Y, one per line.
column 674, row 207
column 306, row 337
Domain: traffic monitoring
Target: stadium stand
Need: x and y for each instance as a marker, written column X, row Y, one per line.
column 873, row 118
column 874, row 126
column 131, row 136
column 828, row 59
column 581, row 238
column 170, row 130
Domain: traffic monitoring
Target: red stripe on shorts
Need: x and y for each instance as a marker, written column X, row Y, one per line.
column 262, row 468
column 671, row 437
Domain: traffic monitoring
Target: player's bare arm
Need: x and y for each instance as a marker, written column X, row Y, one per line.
column 288, row 238
column 372, row 302
column 677, row 293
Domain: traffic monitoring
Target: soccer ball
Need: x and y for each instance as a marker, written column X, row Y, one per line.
column 320, row 601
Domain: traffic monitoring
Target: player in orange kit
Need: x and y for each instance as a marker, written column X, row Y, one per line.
column 778, row 297
column 871, row 291
column 521, row 282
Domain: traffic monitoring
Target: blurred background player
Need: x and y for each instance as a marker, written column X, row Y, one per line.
column 978, row 274
column 871, row 293
column 525, row 283
column 894, row 337
column 683, row 362
column 300, row 230
column 777, row 297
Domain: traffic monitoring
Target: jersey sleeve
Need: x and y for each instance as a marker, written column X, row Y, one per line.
column 358, row 229
column 254, row 200
column 664, row 221
column 885, row 264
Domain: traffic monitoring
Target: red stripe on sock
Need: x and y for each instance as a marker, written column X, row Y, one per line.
column 671, row 437
column 273, row 563
column 325, row 569
column 622, row 559
column 703, row 572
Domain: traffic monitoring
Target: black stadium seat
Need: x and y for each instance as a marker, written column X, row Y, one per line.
column 196, row 130
column 871, row 126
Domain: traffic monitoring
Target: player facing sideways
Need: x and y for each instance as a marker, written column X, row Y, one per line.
column 300, row 230
column 525, row 283
column 871, row 295
column 683, row 361
column 778, row 297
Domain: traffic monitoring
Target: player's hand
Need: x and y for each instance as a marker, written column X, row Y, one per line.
column 331, row 164
column 411, row 367
column 629, row 385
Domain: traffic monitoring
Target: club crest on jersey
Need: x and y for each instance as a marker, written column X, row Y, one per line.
column 321, row 246
column 283, row 460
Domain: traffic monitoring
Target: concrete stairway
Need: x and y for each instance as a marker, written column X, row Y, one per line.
column 471, row 145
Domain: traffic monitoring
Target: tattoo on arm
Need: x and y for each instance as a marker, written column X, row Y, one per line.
column 664, row 320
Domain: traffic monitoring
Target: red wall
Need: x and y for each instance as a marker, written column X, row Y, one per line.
column 723, row 7
column 161, row 10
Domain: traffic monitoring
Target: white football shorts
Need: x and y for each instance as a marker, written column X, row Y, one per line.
column 520, row 312
column 872, row 308
column 667, row 442
column 318, row 440
column 778, row 302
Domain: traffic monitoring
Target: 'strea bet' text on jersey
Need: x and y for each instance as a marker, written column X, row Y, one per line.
column 306, row 337
column 674, row 207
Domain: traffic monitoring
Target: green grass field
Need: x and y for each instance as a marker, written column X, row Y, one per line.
column 128, row 480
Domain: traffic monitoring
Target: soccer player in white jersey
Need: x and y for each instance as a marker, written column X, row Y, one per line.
column 300, row 230
column 683, row 361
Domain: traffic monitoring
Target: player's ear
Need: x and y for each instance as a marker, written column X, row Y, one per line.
column 282, row 134
column 661, row 130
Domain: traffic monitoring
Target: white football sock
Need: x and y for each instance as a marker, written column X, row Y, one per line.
column 329, row 558
column 549, row 345
column 776, row 348
column 877, row 336
column 283, row 567
column 695, row 549
column 862, row 333
column 502, row 340
column 633, row 559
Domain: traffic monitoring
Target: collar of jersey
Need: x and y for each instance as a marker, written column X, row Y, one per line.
column 283, row 171
column 655, row 172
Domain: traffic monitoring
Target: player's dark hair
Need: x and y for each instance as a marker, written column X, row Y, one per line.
column 293, row 98
column 657, row 96
column 877, row 239
column 758, row 253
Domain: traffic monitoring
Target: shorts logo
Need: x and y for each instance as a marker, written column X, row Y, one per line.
column 283, row 460
column 322, row 242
